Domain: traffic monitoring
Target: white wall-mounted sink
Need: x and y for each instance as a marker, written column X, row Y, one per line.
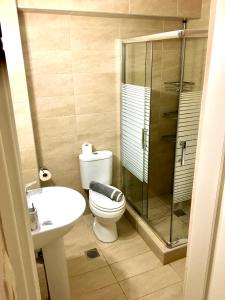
column 58, row 209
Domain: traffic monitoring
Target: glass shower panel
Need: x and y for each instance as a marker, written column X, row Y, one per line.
column 164, row 106
column 135, row 114
column 187, row 132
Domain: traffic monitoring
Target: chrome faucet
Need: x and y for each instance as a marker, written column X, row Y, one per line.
column 29, row 184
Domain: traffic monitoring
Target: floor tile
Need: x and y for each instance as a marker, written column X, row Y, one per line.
column 149, row 282
column 82, row 264
column 135, row 265
column 173, row 292
column 112, row 292
column 78, row 239
column 124, row 249
column 129, row 244
column 91, row 281
column 179, row 267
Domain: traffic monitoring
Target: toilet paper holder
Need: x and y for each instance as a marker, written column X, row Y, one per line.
column 44, row 174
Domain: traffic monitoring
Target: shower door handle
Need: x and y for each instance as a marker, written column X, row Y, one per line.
column 144, row 132
column 183, row 145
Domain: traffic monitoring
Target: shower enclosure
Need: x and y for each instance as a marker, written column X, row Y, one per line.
column 162, row 78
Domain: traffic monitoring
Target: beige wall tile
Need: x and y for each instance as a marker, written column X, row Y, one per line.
column 148, row 282
column 91, row 281
column 50, row 107
column 107, row 139
column 56, row 127
column 94, row 83
column 96, row 123
column 174, row 292
column 136, row 27
column 55, row 146
column 50, row 85
column 91, row 33
column 111, row 292
column 60, row 177
column 170, row 25
column 112, row 6
column 45, row 38
column 96, row 103
column 66, row 166
column 49, row 61
column 46, row 20
column 153, row 7
column 94, row 61
column 135, row 265
column 202, row 23
column 191, row 8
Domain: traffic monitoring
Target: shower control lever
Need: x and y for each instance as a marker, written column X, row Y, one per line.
column 183, row 145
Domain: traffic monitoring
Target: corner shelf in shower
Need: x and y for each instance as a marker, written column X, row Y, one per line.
column 169, row 138
column 187, row 86
column 173, row 115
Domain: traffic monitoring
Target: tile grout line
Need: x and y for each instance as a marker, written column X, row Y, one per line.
column 176, row 270
column 170, row 285
column 118, row 282
column 129, row 257
column 133, row 257
column 98, row 289
column 102, row 267
column 109, row 265
column 150, row 271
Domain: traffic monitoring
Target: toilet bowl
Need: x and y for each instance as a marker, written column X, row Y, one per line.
column 97, row 166
column 107, row 213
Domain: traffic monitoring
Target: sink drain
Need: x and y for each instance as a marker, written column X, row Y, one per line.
column 48, row 222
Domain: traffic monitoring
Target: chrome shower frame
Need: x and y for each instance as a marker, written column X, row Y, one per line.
column 180, row 85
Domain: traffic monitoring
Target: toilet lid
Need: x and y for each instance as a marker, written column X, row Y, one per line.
column 104, row 203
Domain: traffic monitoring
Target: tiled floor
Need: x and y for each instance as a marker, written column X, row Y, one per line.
column 125, row 269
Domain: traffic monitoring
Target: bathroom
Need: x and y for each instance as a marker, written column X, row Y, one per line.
column 65, row 84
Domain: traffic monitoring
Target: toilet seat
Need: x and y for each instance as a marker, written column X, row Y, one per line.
column 104, row 203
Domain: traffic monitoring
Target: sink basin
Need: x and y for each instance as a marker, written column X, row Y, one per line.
column 58, row 208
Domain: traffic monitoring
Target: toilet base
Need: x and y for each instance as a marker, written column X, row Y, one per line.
column 106, row 233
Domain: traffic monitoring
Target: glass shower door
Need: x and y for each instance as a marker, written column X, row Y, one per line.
column 135, row 116
column 187, row 134
column 164, row 111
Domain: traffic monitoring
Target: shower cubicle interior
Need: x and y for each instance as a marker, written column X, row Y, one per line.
column 162, row 78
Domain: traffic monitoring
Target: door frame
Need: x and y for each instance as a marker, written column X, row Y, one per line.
column 208, row 177
column 13, row 206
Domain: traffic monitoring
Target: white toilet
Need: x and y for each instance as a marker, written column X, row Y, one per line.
column 97, row 166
